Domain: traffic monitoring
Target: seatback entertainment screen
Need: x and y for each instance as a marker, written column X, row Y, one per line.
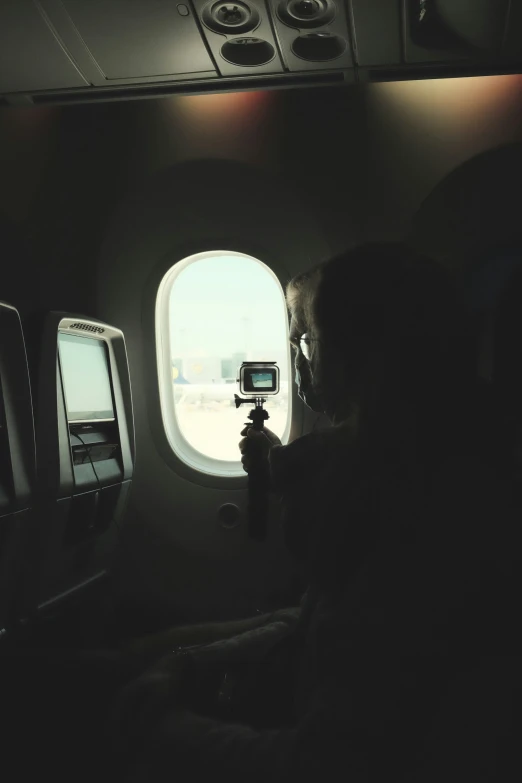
column 86, row 378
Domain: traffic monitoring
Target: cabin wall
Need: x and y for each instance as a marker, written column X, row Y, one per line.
column 65, row 169
column 362, row 158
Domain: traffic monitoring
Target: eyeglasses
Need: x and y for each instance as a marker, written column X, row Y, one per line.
column 305, row 343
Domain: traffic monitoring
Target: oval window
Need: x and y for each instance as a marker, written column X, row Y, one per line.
column 215, row 310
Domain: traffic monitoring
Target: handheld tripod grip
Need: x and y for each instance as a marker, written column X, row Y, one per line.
column 258, row 477
column 258, row 486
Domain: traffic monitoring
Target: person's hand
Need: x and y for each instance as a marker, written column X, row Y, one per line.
column 255, row 446
column 143, row 700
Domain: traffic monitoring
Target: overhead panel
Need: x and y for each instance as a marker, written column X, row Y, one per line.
column 426, row 37
column 140, row 38
column 479, row 23
column 469, row 31
column 377, row 31
column 512, row 46
column 31, row 57
column 81, row 50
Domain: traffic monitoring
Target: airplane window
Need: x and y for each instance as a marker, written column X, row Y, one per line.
column 214, row 311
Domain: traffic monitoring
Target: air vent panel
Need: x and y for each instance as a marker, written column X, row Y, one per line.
column 224, row 25
column 312, row 34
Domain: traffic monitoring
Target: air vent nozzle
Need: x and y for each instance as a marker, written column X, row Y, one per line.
column 319, row 46
column 303, row 14
column 247, row 52
column 232, row 18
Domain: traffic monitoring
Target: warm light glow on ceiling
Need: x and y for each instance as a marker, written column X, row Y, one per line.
column 226, row 106
column 30, row 121
column 233, row 125
column 463, row 100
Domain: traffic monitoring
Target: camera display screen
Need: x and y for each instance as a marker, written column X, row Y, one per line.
column 262, row 380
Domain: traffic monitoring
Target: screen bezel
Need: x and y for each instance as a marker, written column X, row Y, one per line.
column 252, row 369
column 74, row 422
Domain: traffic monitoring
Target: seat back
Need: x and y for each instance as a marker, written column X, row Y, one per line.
column 85, row 447
column 17, row 469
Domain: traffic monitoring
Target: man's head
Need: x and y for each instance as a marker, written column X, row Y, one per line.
column 300, row 296
column 378, row 319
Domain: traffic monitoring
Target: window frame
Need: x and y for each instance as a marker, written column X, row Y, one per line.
column 164, row 427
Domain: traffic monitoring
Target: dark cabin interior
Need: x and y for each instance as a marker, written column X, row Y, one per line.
column 410, row 130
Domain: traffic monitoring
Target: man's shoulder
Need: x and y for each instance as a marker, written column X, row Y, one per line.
column 318, row 442
column 310, row 454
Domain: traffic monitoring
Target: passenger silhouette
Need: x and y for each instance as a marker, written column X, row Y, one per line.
column 404, row 529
